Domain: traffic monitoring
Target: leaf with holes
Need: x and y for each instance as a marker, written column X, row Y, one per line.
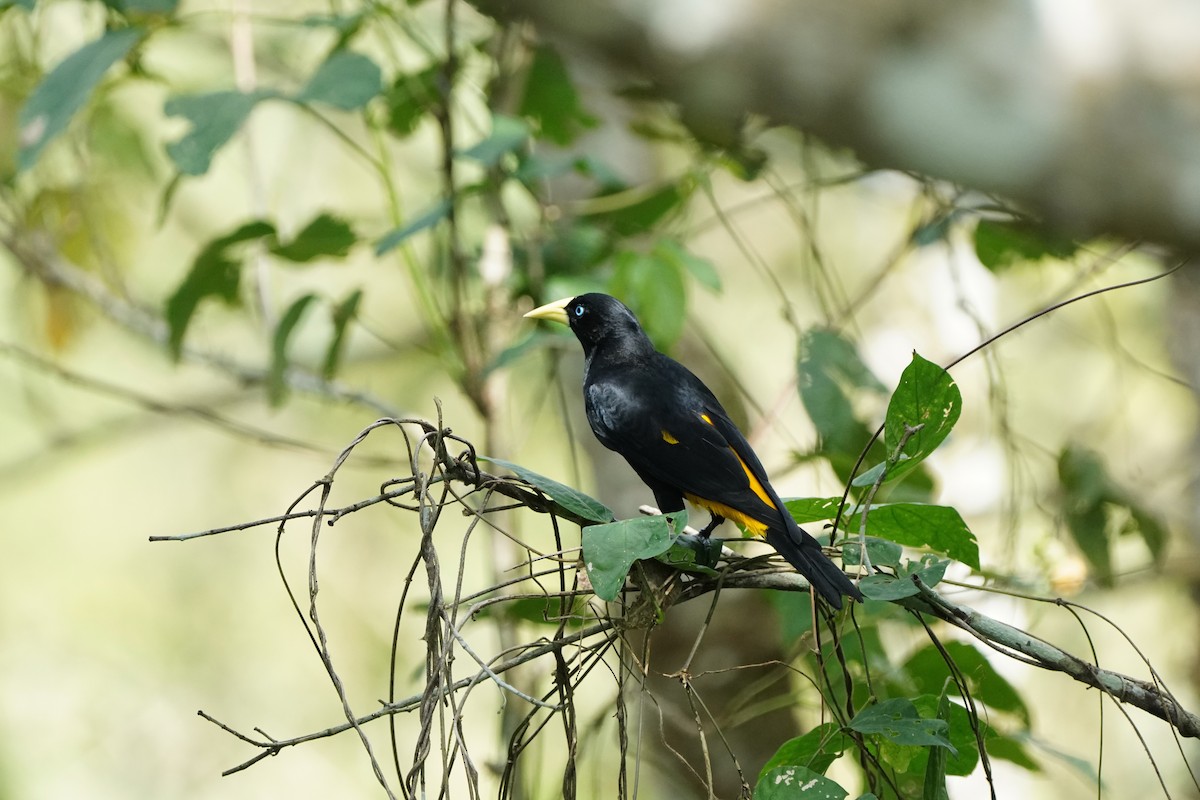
column 610, row 550
column 921, row 413
column 796, row 783
column 897, row 721
column 815, row 750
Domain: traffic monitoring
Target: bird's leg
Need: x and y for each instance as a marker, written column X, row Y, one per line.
column 711, row 526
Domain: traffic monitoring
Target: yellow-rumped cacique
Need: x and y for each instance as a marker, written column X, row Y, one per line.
column 671, row 429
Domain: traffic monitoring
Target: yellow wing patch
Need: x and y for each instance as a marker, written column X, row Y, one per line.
column 756, row 527
column 668, row 438
column 755, row 484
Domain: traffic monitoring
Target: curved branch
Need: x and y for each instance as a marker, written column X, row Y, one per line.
column 1150, row 697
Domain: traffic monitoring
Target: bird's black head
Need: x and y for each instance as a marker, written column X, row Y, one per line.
column 596, row 319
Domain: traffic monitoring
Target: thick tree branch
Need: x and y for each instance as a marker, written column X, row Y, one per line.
column 1152, row 698
column 1096, row 135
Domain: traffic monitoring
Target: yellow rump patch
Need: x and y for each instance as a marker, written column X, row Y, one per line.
column 756, row 527
column 668, row 438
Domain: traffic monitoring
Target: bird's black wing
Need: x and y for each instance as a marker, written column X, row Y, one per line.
column 670, row 427
column 674, row 432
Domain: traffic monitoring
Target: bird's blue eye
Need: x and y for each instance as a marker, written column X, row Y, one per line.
column 579, row 310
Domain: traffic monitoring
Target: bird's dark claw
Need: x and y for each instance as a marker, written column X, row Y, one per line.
column 711, row 526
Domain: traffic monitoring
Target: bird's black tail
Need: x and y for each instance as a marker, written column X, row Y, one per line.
column 804, row 553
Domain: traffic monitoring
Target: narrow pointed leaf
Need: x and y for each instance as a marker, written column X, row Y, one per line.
column 571, row 499
column 426, row 219
column 342, row 314
column 276, row 385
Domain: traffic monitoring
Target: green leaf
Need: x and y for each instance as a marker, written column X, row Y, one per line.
column 742, row 161
column 701, row 269
column 610, row 550
column 897, row 721
column 1000, row 245
column 276, row 385
column 833, row 382
column 655, row 291
column 573, row 500
column 533, row 340
column 959, row 732
column 214, row 273
column 508, row 134
column 65, row 89
column 347, row 81
column 574, row 247
column 1152, row 529
column 692, row 553
column 935, row 771
column 548, row 611
column 342, row 23
column 639, row 210
column 936, row 229
column 324, row 236
column 937, row 528
column 929, row 673
column 815, row 750
column 551, row 100
column 1092, row 504
column 797, row 783
column 163, row 7
column 881, row 552
column 28, row 5
column 410, row 98
column 812, row 509
column 928, row 397
column 215, row 118
column 426, row 219
column 930, row 569
column 1012, row 748
column 1085, row 487
column 342, row 314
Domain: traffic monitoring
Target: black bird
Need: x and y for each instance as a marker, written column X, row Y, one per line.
column 670, row 428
